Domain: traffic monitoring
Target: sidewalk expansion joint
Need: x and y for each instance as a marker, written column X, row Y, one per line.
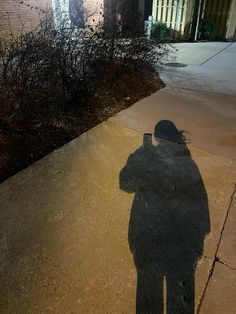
column 225, row 264
column 216, row 258
column 199, row 91
column 216, row 54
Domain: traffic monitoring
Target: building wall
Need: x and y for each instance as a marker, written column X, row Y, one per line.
column 94, row 11
column 77, row 12
column 15, row 17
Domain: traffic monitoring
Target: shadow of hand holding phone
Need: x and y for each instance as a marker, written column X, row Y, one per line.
column 168, row 222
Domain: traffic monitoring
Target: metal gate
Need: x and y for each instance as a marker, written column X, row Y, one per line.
column 175, row 13
column 218, row 12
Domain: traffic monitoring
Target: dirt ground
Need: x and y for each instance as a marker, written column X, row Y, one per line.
column 24, row 141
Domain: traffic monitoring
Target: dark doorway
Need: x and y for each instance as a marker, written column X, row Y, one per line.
column 168, row 222
column 148, row 9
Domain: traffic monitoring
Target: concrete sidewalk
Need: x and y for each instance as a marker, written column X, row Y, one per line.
column 211, row 68
column 64, row 220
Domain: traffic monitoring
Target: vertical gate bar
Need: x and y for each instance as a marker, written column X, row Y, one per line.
column 169, row 13
column 213, row 9
column 159, row 10
column 203, row 9
column 226, row 15
column 189, row 15
column 174, row 15
column 183, row 20
column 154, row 10
column 227, row 11
column 207, row 7
column 164, row 11
column 179, row 14
column 162, row 6
column 221, row 17
column 167, row 7
column 217, row 15
column 198, row 20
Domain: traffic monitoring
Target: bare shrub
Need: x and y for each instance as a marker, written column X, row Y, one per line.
column 50, row 68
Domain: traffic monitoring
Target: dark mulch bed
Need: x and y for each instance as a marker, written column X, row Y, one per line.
column 117, row 86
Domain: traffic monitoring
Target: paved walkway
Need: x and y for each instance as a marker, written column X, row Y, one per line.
column 66, row 221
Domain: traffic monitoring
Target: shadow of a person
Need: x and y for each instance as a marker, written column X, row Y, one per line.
column 168, row 222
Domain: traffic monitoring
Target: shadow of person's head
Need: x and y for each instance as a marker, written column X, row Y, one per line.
column 166, row 130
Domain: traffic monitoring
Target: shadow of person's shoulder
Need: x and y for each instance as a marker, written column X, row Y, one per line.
column 136, row 163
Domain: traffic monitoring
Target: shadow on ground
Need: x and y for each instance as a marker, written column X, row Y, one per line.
column 168, row 222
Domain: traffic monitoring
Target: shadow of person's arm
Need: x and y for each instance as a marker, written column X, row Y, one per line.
column 208, row 223
column 200, row 218
column 204, row 218
column 128, row 176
